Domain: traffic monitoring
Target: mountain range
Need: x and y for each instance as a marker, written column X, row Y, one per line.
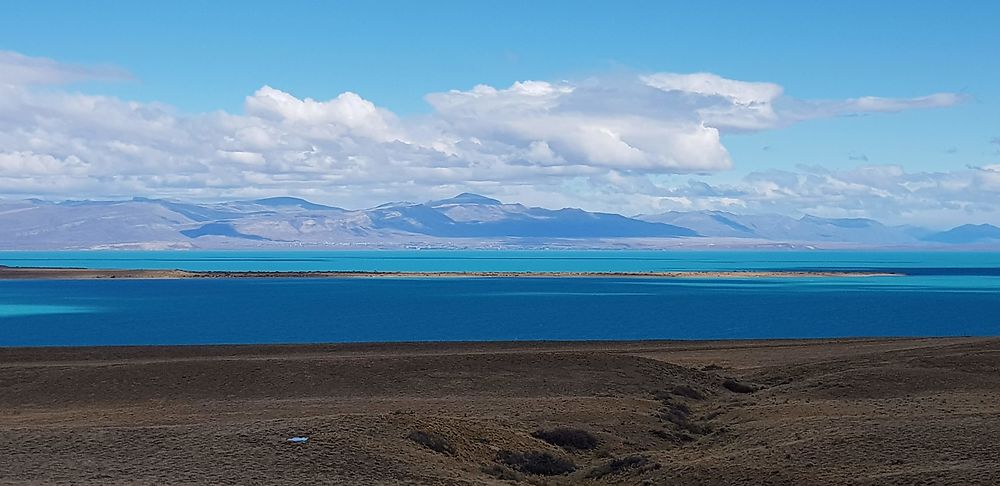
column 464, row 221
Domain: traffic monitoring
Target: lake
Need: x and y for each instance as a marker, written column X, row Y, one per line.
column 947, row 294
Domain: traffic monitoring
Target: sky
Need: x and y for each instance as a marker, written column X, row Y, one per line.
column 855, row 109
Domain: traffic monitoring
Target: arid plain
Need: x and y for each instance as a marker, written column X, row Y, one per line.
column 860, row 411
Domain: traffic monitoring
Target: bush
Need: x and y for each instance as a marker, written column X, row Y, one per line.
column 567, row 438
column 540, row 463
column 688, row 391
column 433, row 441
column 680, row 415
column 737, row 387
column 502, row 472
column 616, row 466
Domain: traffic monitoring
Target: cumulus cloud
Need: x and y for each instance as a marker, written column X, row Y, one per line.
column 591, row 123
column 535, row 136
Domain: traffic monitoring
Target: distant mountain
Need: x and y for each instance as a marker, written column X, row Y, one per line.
column 219, row 229
column 289, row 202
column 463, row 221
column 776, row 227
column 709, row 223
column 967, row 234
column 86, row 224
column 474, row 216
column 285, row 221
column 466, row 198
column 477, row 216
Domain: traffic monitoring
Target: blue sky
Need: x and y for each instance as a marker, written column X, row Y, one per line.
column 198, row 58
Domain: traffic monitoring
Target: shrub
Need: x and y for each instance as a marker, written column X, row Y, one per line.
column 680, row 415
column 433, row 441
column 688, row 391
column 540, row 463
column 737, row 387
column 502, row 472
column 567, row 438
column 616, row 466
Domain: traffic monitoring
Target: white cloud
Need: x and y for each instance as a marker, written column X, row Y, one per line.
column 347, row 114
column 737, row 105
column 588, row 123
column 30, row 164
column 741, row 93
column 535, row 139
column 885, row 192
column 799, row 110
column 752, row 106
column 18, row 69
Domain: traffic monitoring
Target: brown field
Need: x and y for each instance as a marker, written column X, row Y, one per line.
column 875, row 412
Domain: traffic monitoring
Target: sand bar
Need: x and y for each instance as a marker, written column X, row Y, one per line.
column 42, row 273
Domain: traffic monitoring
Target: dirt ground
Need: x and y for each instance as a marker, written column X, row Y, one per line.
column 874, row 412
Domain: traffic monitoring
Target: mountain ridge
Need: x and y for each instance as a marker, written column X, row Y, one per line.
column 466, row 220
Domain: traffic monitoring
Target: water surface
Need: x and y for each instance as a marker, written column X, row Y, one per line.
column 951, row 294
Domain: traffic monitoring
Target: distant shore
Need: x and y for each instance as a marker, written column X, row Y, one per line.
column 40, row 273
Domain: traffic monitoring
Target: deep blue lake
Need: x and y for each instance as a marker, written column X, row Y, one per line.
column 948, row 294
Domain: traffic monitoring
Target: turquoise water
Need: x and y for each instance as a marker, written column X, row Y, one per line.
column 501, row 260
column 948, row 294
column 19, row 310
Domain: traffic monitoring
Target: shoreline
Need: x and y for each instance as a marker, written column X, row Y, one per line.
column 63, row 273
column 22, row 355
